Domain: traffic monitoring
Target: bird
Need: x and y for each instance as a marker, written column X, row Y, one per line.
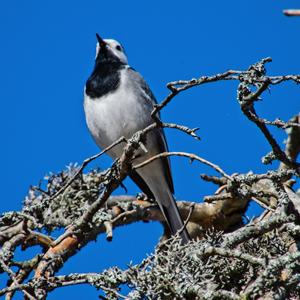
column 118, row 103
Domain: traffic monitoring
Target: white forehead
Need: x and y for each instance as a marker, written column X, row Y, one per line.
column 112, row 45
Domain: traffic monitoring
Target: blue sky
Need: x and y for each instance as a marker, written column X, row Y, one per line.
column 47, row 52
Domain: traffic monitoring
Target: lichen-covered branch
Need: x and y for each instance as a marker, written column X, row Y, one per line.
column 228, row 258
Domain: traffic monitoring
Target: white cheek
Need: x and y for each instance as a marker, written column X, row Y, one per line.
column 123, row 58
column 120, row 55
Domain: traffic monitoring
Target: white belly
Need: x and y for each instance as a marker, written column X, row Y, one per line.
column 115, row 115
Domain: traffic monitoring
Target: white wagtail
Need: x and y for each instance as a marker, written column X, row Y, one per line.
column 118, row 103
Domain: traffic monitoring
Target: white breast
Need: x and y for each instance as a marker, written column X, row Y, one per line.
column 116, row 114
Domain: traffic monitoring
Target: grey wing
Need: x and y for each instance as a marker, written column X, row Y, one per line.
column 140, row 182
column 146, row 93
column 141, row 86
column 163, row 147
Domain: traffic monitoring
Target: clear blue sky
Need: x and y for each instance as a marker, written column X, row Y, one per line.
column 47, row 52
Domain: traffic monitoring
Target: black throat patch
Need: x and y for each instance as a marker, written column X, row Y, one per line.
column 105, row 79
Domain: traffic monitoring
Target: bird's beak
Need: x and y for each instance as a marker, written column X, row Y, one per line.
column 101, row 42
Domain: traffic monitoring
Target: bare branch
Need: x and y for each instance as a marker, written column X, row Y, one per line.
column 184, row 154
column 292, row 12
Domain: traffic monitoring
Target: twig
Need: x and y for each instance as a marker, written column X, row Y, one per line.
column 292, row 147
column 189, row 131
column 186, row 84
column 292, row 12
column 253, row 230
column 216, row 180
column 187, row 219
column 184, row 154
column 232, row 253
column 13, row 288
column 262, row 204
column 273, row 267
column 84, row 164
column 278, row 123
column 109, row 230
column 218, row 197
column 12, row 276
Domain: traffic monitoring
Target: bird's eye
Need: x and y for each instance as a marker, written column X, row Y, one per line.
column 118, row 47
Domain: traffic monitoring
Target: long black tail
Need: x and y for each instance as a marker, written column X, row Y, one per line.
column 159, row 187
column 171, row 213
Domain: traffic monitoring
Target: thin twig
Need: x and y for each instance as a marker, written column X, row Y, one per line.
column 184, row 154
column 12, row 276
column 292, row 12
column 84, row 164
column 186, row 221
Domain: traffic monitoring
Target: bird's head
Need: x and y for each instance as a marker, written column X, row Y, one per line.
column 109, row 51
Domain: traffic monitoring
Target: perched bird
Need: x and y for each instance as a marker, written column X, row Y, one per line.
column 118, row 102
